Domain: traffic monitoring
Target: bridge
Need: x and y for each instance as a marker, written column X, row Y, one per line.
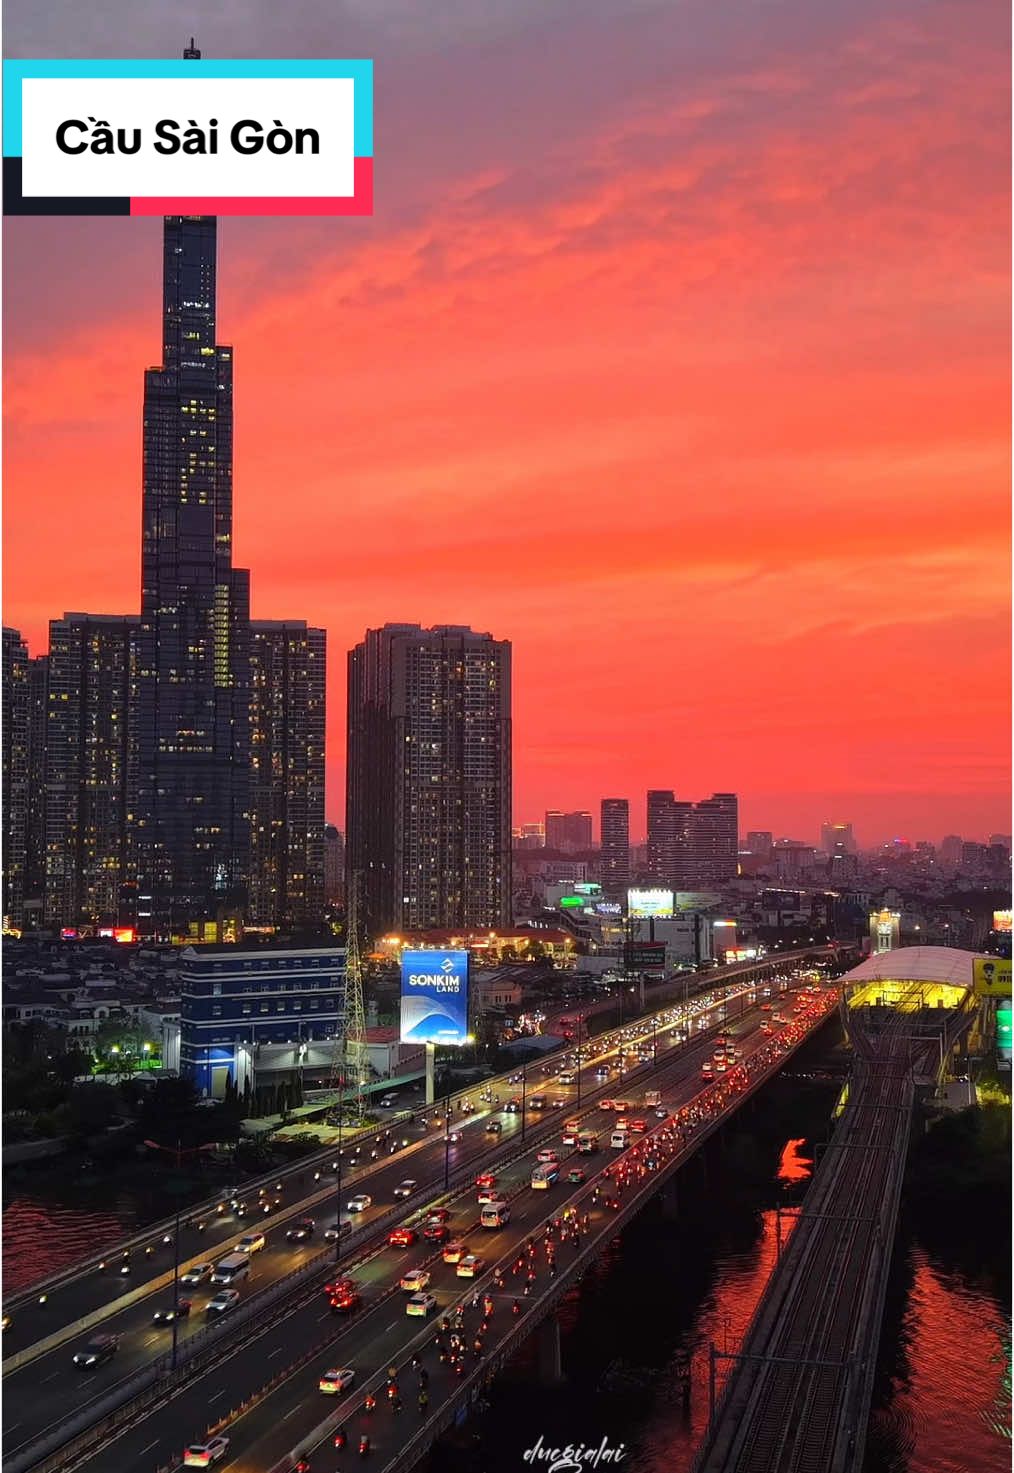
column 797, row 1398
column 58, row 1419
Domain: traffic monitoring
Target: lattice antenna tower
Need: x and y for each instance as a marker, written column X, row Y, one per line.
column 354, row 1039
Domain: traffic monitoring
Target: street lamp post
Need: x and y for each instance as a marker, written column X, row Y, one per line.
column 178, row 1153
column 447, row 1141
column 524, row 1083
column 654, row 1040
column 338, row 1214
column 580, row 1021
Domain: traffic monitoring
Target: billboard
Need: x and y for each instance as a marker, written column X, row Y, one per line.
column 644, row 905
column 434, row 996
column 645, row 956
column 991, row 976
column 1003, row 1034
column 1001, row 920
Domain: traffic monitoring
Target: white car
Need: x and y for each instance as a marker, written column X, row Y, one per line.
column 224, row 1300
column 422, row 1304
column 251, row 1243
column 203, row 1454
column 331, row 1382
column 661, row 1113
column 469, row 1266
column 405, row 1188
column 360, row 1202
column 415, row 1280
column 547, row 1158
column 197, row 1274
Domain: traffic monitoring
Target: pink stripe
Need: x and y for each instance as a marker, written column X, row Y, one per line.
column 360, row 203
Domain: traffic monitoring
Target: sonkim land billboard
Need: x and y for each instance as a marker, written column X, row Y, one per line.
column 434, row 996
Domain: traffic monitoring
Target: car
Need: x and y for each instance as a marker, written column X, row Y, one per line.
column 224, row 1300
column 560, row 1104
column 96, row 1351
column 469, row 1266
column 172, row 1312
column 547, row 1158
column 251, row 1243
column 607, row 1104
column 405, row 1188
column 197, row 1273
column 331, row 1382
column 721, row 1067
column 512, row 1107
column 638, row 1127
column 494, row 1127
column 359, row 1203
column 602, row 1072
column 454, row 1137
column 414, row 1280
column 436, row 1232
column 332, row 1234
column 453, row 1251
column 575, row 1176
column 438, row 1214
column 203, row 1454
column 661, row 1113
column 707, row 1072
column 537, row 1102
column 487, row 1179
column 421, row 1304
column 301, row 1230
column 402, row 1237
column 569, row 1137
column 345, row 1301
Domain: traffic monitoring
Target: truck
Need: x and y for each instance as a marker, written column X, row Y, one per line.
column 652, row 1097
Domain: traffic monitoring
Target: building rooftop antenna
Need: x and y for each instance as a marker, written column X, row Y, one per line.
column 190, row 53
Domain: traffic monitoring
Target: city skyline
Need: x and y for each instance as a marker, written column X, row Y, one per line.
column 806, row 409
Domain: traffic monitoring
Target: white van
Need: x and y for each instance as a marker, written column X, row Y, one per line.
column 620, row 1140
column 230, row 1270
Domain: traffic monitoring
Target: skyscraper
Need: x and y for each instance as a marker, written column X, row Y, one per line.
column 692, row 844
column 287, row 669
column 837, row 838
column 193, row 659
column 568, row 832
column 429, row 777
column 334, row 864
column 15, row 775
column 615, row 834
column 86, row 770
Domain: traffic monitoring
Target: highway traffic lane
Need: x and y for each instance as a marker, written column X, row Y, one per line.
column 91, row 1292
column 31, row 1392
column 86, row 1296
column 681, row 1061
column 279, row 1414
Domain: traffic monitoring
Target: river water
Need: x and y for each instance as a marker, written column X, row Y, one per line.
column 654, row 1302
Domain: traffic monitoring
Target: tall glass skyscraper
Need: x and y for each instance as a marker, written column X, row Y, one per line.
column 193, row 659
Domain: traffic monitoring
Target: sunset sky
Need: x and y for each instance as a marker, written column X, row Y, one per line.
column 675, row 352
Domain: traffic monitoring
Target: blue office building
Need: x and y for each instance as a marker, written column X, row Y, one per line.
column 253, row 1013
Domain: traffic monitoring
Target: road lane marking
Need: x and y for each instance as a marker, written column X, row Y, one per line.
column 149, row 1447
column 276, row 1352
column 218, row 1394
column 49, row 1378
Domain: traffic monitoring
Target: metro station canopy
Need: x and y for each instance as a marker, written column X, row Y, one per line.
column 912, row 976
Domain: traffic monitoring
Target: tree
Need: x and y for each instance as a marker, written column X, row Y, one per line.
column 90, row 1108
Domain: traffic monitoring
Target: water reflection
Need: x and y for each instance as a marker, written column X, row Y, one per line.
column 794, row 1167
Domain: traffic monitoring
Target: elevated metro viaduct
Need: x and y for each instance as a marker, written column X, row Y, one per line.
column 797, row 1397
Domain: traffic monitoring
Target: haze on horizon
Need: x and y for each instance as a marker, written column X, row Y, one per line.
column 676, row 352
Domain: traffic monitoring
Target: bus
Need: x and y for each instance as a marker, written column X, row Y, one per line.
column 228, row 1270
column 494, row 1215
column 544, row 1177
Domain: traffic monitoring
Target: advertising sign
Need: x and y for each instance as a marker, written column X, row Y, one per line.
column 645, row 956
column 608, row 908
column 434, row 996
column 1001, row 920
column 991, row 976
column 643, row 905
column 1003, row 1034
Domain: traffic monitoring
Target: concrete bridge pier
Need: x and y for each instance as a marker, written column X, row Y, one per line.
column 550, row 1358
